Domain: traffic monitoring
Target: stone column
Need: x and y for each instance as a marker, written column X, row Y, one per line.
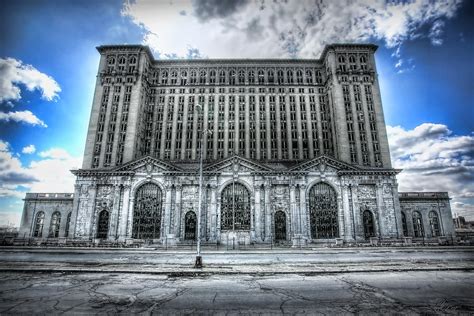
column 380, row 210
column 115, row 216
column 348, row 214
column 257, row 216
column 178, row 212
column 91, row 212
column 293, row 214
column 167, row 215
column 268, row 215
column 130, row 217
column 122, row 222
column 359, row 235
column 213, row 219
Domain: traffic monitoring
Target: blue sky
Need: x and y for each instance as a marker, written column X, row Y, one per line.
column 49, row 63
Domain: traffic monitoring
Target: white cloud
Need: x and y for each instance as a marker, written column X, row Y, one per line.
column 30, row 149
column 14, row 73
column 26, row 117
column 50, row 174
column 283, row 28
column 433, row 159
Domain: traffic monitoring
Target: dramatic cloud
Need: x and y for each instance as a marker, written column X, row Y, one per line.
column 50, row 174
column 14, row 73
column 433, row 159
column 262, row 28
column 30, row 149
column 26, row 117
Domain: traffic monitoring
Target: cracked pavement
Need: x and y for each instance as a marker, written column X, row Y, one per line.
column 415, row 292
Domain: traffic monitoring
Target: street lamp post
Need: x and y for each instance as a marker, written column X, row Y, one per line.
column 198, row 262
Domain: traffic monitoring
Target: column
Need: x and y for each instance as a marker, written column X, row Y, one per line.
column 268, row 215
column 122, row 229
column 348, row 216
column 380, row 210
column 115, row 216
column 213, row 219
column 167, row 215
column 247, row 126
column 91, row 211
column 178, row 212
column 257, row 216
column 293, row 212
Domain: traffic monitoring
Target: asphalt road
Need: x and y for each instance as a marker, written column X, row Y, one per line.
column 211, row 257
column 442, row 292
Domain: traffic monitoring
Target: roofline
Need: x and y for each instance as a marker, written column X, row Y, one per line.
column 325, row 51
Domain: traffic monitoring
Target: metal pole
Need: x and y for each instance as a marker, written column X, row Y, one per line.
column 198, row 263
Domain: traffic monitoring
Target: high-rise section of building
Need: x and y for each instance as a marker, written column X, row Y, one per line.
column 292, row 149
column 264, row 110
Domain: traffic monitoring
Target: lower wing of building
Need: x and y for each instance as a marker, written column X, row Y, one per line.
column 320, row 200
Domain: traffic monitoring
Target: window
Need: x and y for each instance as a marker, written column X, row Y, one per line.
column 251, row 77
column 235, row 207
column 261, row 77
column 232, row 77
column 281, row 79
column 193, row 77
column 202, row 77
column 222, row 77
column 418, row 224
column 323, row 212
column 271, row 77
column 190, row 227
column 54, row 225
column 39, row 223
column 434, row 224
column 309, row 76
column 241, row 76
column 147, row 212
column 368, row 220
column 103, row 225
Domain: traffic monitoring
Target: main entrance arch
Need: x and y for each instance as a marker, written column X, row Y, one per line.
column 235, row 207
column 368, row 220
column 323, row 212
column 147, row 212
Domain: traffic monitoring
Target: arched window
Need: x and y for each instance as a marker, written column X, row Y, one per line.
column 122, row 60
column 261, row 77
column 281, row 78
column 147, row 212
column 368, row 220
column 289, row 75
column 299, row 76
column 184, row 77
column 323, row 212
column 235, row 207
column 111, row 61
column 251, row 77
column 202, row 77
column 232, row 77
column 404, row 225
column 352, row 62
column 212, row 77
column 103, row 225
column 418, row 224
column 363, row 62
column 271, row 77
column 241, row 76
column 39, row 223
column 54, row 225
column 319, row 77
column 174, row 76
column 164, row 77
column 280, row 226
column 193, row 76
column 68, row 224
column 342, row 63
column 434, row 224
column 222, row 77
column 309, row 76
column 190, row 226
column 133, row 60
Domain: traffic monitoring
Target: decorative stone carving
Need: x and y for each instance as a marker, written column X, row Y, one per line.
column 366, row 192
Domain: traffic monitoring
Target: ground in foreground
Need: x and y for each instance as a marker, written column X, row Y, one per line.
column 412, row 292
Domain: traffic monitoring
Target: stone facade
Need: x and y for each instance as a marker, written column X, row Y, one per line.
column 293, row 151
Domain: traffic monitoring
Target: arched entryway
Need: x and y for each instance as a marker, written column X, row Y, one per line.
column 190, row 226
column 368, row 220
column 280, row 226
column 323, row 212
column 147, row 212
column 103, row 225
column 418, row 230
column 235, row 207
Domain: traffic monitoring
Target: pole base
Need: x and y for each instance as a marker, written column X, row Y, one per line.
column 198, row 262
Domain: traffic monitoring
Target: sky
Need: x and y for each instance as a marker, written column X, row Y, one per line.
column 48, row 67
